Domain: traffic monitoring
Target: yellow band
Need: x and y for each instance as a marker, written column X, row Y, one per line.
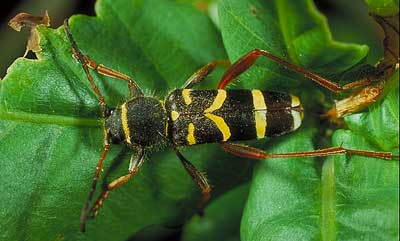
column 260, row 113
column 125, row 127
column 218, row 101
column 190, row 137
column 186, row 96
column 221, row 125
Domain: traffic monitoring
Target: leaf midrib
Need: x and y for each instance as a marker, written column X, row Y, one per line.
column 328, row 217
column 60, row 120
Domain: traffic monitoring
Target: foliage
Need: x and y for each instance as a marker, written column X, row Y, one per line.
column 51, row 135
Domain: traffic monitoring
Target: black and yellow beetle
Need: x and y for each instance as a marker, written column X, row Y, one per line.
column 189, row 117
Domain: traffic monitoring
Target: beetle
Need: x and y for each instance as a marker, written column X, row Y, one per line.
column 189, row 117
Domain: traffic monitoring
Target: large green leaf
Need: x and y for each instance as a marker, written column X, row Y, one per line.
column 222, row 221
column 51, row 133
column 283, row 195
column 337, row 198
column 290, row 29
column 353, row 198
column 51, row 137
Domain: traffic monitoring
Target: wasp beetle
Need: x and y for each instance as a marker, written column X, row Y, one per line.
column 189, row 117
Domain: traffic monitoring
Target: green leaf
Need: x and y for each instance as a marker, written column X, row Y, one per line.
column 354, row 198
column 383, row 7
column 221, row 220
column 283, row 200
column 364, row 205
column 294, row 30
column 51, row 135
column 337, row 198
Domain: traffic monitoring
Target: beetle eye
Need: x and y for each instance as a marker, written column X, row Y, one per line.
column 108, row 111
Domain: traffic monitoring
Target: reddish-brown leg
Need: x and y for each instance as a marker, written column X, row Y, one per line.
column 203, row 72
column 93, row 187
column 135, row 162
column 78, row 55
column 254, row 153
column 248, row 60
column 199, row 179
column 106, row 71
column 99, row 68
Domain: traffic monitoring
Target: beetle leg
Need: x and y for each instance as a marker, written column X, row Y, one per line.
column 79, row 56
column 248, row 60
column 106, row 71
column 93, row 187
column 254, row 153
column 203, row 72
column 197, row 177
column 135, row 162
column 99, row 68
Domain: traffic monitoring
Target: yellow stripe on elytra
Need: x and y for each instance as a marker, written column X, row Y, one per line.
column 297, row 118
column 174, row 115
column 260, row 113
column 186, row 96
column 297, row 115
column 219, row 121
column 295, row 101
column 190, row 137
column 221, row 124
column 125, row 127
column 218, row 101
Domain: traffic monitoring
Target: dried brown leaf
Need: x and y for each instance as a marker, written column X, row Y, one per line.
column 27, row 20
column 386, row 67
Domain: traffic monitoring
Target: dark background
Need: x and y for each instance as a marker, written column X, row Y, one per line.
column 12, row 43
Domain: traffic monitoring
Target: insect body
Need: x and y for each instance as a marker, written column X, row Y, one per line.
column 206, row 116
column 188, row 117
